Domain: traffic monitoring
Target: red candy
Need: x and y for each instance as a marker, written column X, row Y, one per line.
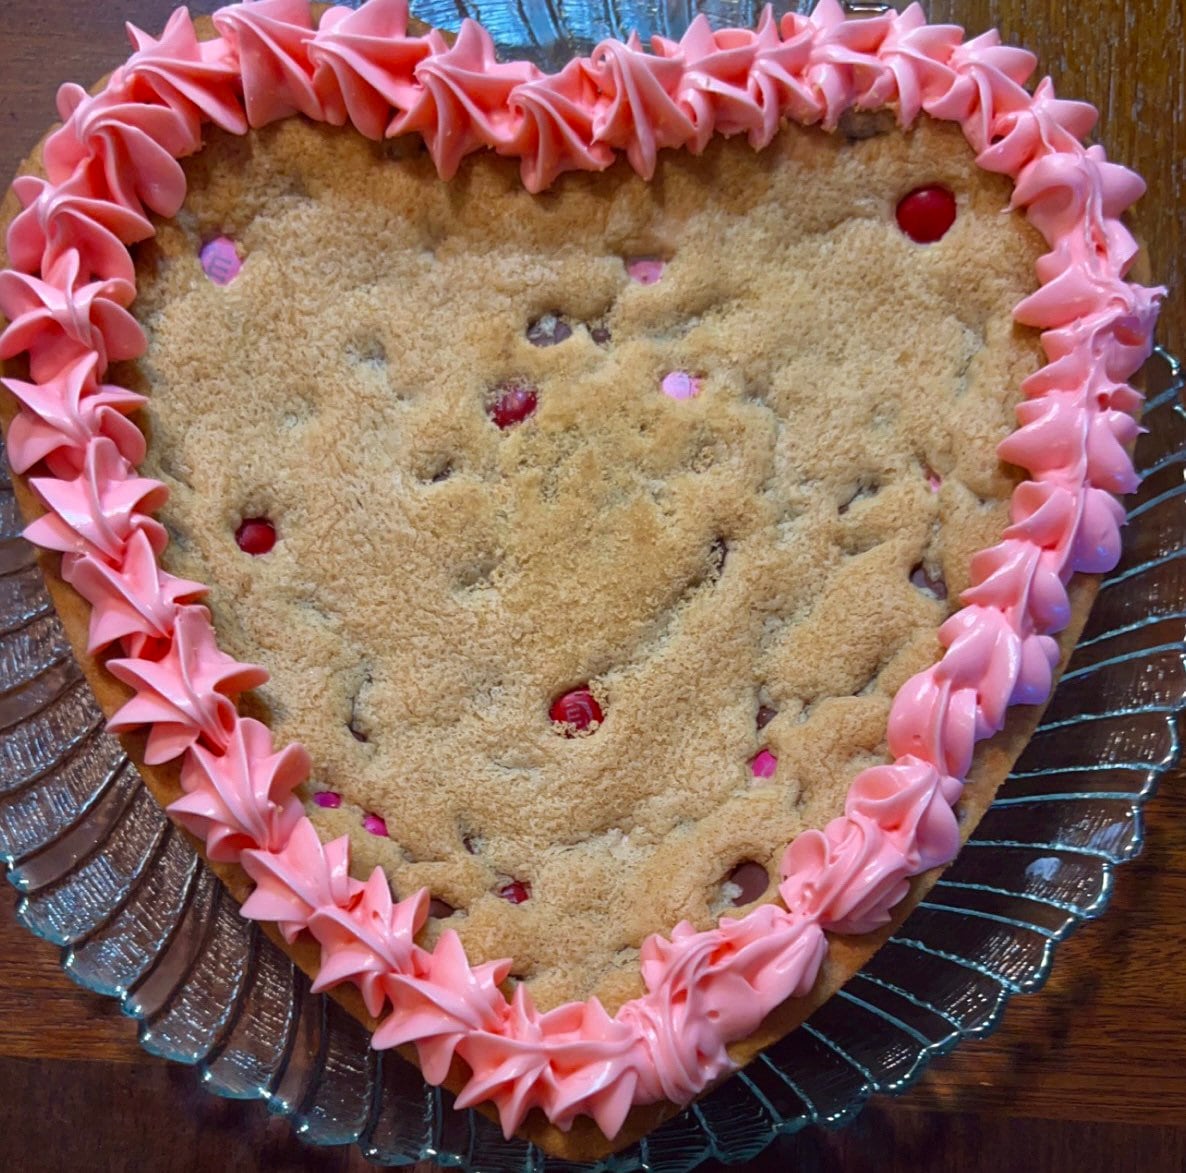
column 516, row 402
column 576, row 710
column 256, row 535
column 516, row 892
column 926, row 213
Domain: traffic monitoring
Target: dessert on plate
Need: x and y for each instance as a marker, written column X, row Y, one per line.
column 557, row 540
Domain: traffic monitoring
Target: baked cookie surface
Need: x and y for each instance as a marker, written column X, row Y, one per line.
column 741, row 577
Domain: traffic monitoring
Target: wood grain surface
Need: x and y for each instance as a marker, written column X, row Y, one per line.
column 1089, row 1074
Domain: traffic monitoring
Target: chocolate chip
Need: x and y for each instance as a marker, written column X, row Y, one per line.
column 747, row 882
column 550, row 330
column 921, row 578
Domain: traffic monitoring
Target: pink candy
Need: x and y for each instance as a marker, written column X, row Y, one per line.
column 327, row 799
column 681, row 385
column 645, row 270
column 375, row 825
column 764, row 764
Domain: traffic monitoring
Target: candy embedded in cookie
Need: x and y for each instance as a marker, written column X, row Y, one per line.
column 515, row 892
column 764, row 764
column 576, row 712
column 512, row 403
column 256, row 536
column 549, row 330
column 926, row 214
column 220, row 260
column 682, row 385
column 645, row 270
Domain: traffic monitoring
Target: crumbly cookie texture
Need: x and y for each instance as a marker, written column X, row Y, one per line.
column 775, row 543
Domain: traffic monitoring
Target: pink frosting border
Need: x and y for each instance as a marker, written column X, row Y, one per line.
column 67, row 296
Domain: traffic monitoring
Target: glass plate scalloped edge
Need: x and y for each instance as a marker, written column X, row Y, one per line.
column 104, row 875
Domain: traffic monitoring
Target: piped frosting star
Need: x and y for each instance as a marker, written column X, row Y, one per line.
column 62, row 414
column 270, row 40
column 184, row 73
column 438, row 1008
column 98, row 511
column 187, row 693
column 135, row 602
column 375, row 936
column 291, row 884
column 365, row 65
column 58, row 218
column 639, row 112
column 464, row 101
column 556, row 129
column 242, row 800
column 60, row 317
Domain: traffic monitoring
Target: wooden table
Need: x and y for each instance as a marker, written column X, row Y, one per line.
column 1089, row 1074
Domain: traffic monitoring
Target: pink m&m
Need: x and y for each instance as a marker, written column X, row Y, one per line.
column 645, row 270
column 375, row 825
column 681, row 385
column 220, row 260
column 764, row 764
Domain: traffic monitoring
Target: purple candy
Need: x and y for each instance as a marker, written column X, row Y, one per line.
column 681, row 385
column 328, row 799
column 549, row 330
column 220, row 260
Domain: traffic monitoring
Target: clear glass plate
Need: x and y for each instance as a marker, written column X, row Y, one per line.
column 105, row 876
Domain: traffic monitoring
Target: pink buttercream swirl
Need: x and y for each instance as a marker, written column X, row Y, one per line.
column 463, row 103
column 365, row 65
column 66, row 298
column 269, row 42
column 61, row 416
column 184, row 697
column 242, row 798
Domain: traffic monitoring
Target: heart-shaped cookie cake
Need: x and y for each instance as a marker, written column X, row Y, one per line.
column 557, row 540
